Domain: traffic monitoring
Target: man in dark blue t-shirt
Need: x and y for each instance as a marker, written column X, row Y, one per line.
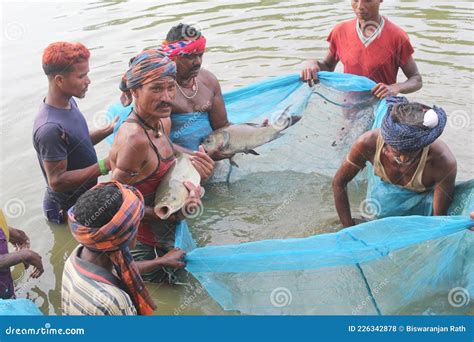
column 63, row 143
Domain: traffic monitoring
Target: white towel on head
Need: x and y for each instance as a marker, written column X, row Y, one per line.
column 431, row 119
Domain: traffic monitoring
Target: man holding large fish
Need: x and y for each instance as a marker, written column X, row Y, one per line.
column 142, row 154
column 198, row 109
column 198, row 100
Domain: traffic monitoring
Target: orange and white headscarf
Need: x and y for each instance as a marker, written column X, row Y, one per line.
column 114, row 239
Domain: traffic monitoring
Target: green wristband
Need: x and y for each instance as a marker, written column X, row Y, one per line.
column 102, row 168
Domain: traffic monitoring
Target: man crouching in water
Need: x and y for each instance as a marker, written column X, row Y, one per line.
column 142, row 154
column 404, row 152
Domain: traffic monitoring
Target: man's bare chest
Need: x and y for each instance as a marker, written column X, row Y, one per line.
column 188, row 100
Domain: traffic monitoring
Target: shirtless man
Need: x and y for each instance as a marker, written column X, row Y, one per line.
column 198, row 101
column 404, row 152
column 142, row 153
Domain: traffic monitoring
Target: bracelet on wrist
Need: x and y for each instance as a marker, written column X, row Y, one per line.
column 102, row 168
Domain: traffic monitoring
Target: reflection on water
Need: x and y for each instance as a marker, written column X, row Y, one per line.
column 247, row 41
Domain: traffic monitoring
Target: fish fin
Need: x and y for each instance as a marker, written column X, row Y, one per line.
column 294, row 119
column 232, row 162
column 225, row 144
column 255, row 153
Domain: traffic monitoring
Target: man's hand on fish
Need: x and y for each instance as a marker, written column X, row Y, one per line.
column 203, row 163
column 216, row 154
column 174, row 258
column 382, row 90
column 193, row 202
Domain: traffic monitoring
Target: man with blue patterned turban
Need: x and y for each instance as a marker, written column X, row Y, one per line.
column 405, row 152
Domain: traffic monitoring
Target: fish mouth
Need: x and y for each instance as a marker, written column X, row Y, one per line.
column 164, row 212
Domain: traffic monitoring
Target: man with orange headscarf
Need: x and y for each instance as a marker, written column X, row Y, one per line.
column 101, row 277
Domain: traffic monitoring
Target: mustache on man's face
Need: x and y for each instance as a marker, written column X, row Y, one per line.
column 163, row 105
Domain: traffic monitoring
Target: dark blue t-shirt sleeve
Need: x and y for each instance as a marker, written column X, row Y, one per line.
column 50, row 141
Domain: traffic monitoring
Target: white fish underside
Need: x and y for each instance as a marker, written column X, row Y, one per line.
column 172, row 194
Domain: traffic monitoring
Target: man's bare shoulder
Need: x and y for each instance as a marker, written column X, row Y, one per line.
column 208, row 78
column 130, row 134
column 441, row 156
column 367, row 142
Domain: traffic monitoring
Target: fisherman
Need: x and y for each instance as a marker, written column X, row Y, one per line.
column 404, row 152
column 198, row 108
column 100, row 276
column 22, row 255
column 142, row 153
column 63, row 143
column 369, row 45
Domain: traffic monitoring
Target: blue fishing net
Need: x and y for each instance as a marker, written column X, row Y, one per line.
column 268, row 99
column 380, row 267
column 401, row 263
column 244, row 104
column 18, row 307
